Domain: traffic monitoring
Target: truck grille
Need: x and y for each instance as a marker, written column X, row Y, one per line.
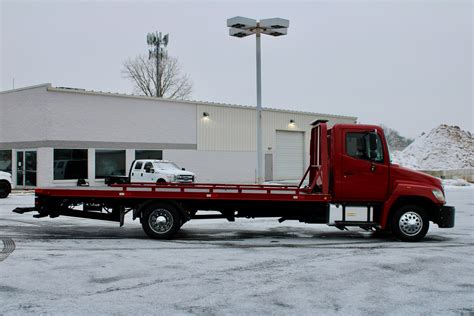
column 183, row 178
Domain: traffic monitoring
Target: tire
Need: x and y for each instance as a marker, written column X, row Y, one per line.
column 160, row 220
column 410, row 223
column 161, row 181
column 5, row 189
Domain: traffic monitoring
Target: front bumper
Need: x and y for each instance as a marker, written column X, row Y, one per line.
column 446, row 217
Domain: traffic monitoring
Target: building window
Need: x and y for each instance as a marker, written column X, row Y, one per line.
column 109, row 163
column 149, row 154
column 70, row 164
column 6, row 161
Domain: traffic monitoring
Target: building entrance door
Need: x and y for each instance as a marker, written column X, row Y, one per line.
column 26, row 168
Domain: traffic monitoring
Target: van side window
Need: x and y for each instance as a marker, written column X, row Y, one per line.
column 357, row 146
column 138, row 165
column 148, row 165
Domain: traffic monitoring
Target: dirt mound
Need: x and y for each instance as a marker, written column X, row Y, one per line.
column 445, row 147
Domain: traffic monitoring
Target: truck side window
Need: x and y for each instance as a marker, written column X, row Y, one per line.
column 357, row 146
column 148, row 165
column 138, row 165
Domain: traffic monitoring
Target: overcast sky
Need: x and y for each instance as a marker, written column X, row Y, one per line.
column 405, row 64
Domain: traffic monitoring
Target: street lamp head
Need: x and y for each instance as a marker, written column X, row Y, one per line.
column 242, row 27
column 239, row 32
column 276, row 32
column 275, row 23
column 240, row 22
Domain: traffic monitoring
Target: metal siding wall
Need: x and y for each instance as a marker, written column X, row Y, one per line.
column 233, row 129
column 226, row 129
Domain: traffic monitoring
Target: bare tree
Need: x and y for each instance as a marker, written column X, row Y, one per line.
column 142, row 72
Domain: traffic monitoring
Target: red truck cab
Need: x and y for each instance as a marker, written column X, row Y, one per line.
column 404, row 200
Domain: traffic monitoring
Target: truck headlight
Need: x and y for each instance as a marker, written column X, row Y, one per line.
column 439, row 195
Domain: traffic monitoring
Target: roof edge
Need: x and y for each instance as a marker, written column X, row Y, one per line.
column 193, row 102
column 50, row 88
column 47, row 85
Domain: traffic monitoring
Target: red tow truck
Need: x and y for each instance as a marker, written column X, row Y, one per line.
column 349, row 168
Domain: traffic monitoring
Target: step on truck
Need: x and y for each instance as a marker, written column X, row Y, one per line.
column 349, row 169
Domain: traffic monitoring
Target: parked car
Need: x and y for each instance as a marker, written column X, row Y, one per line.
column 5, row 184
column 154, row 171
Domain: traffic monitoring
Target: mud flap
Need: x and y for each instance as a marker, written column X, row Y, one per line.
column 22, row 210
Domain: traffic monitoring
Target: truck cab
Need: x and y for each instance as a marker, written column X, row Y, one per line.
column 361, row 173
column 159, row 171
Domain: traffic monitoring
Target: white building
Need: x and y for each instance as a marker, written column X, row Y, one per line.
column 51, row 136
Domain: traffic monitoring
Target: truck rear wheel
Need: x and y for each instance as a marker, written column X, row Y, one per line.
column 410, row 223
column 5, row 189
column 161, row 221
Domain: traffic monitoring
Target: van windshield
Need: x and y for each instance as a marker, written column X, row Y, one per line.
column 167, row 165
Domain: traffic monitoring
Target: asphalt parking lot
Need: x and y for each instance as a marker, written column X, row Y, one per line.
column 79, row 266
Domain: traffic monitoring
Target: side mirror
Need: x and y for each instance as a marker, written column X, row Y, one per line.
column 373, row 140
column 149, row 170
column 184, row 169
column 373, row 145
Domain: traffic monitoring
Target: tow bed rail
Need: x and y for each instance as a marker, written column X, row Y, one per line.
column 190, row 191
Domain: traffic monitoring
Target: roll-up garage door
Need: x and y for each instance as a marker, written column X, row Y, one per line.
column 289, row 160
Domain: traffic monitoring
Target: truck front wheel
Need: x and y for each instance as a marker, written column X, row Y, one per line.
column 160, row 221
column 410, row 223
column 5, row 189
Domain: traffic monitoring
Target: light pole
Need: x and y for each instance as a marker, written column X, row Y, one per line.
column 156, row 40
column 242, row 27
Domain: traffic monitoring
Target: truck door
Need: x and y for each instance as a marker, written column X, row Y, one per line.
column 364, row 170
column 148, row 172
column 137, row 172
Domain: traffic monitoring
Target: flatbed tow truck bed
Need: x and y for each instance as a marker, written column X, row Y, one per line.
column 111, row 203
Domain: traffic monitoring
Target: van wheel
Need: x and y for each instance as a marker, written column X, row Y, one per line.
column 410, row 223
column 161, row 221
column 161, row 181
column 5, row 189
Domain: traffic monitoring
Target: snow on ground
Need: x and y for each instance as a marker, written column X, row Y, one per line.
column 443, row 148
column 79, row 266
column 447, row 183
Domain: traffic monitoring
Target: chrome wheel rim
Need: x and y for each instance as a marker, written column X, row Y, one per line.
column 410, row 223
column 160, row 221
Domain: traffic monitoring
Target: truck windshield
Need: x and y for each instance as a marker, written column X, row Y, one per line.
column 166, row 165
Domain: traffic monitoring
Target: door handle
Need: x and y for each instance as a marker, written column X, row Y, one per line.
column 372, row 167
column 349, row 173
